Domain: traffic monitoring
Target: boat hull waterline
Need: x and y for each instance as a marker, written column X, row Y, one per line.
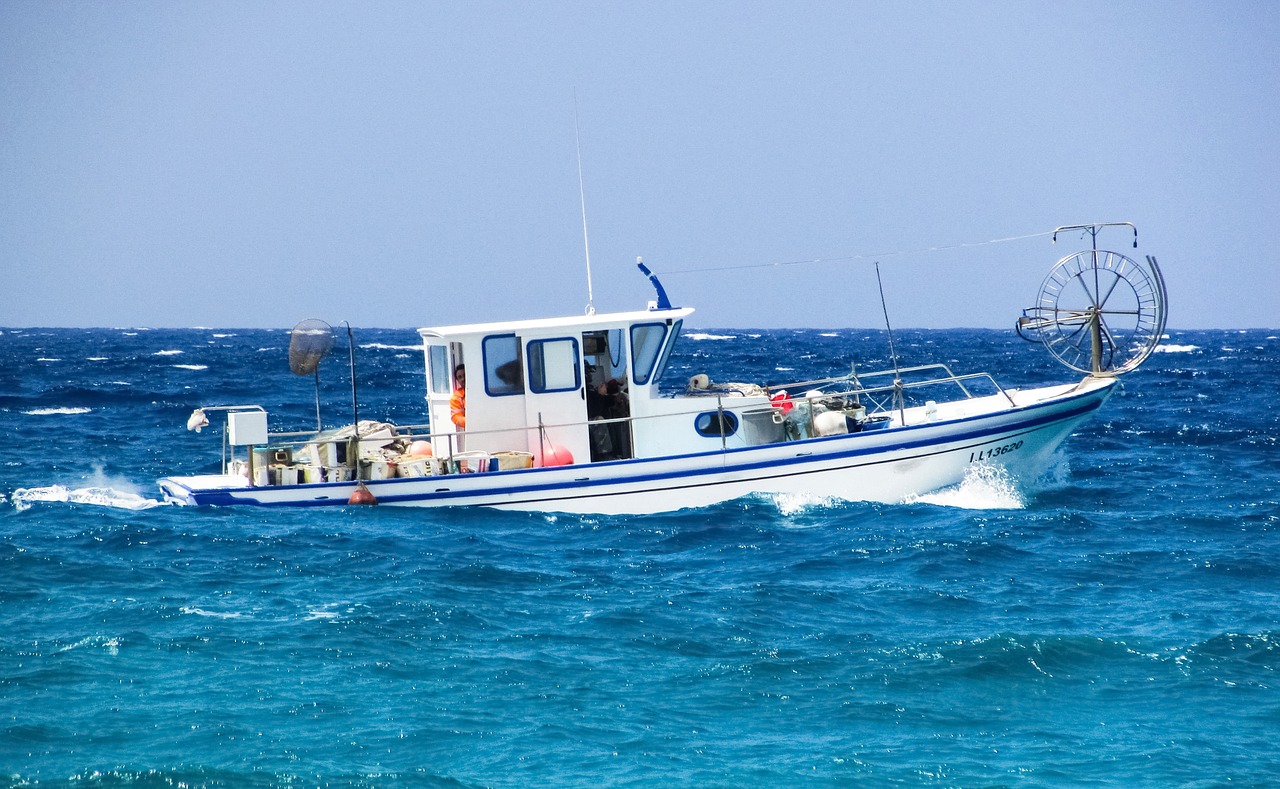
column 887, row 466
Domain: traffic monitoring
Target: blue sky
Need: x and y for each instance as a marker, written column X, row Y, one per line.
column 242, row 164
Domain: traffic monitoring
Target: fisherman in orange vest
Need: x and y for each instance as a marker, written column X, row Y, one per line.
column 458, row 402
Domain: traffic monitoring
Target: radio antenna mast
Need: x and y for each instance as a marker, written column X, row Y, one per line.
column 582, row 196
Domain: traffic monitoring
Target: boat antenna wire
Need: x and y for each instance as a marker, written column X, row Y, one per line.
column 863, row 256
column 582, row 197
column 893, row 354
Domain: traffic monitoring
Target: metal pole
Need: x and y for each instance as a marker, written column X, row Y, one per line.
column 318, row 425
column 1095, row 334
column 353, row 450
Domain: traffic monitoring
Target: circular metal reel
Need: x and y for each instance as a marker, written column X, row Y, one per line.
column 1099, row 312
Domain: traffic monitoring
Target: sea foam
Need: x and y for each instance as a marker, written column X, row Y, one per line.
column 24, row 498
column 985, row 487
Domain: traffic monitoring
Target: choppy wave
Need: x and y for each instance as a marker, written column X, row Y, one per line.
column 380, row 346
column 67, row 410
column 985, row 487
column 197, row 611
column 790, row 504
column 109, row 643
column 1169, row 348
column 24, row 498
column 190, row 366
column 696, row 335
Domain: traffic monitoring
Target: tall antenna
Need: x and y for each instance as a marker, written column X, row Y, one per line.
column 582, row 196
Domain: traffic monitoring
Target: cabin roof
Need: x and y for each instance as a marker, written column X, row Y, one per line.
column 599, row 320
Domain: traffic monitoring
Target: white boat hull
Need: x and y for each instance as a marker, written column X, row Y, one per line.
column 884, row 465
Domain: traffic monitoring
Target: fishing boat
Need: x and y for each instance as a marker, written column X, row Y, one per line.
column 567, row 415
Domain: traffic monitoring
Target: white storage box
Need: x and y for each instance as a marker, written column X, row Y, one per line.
column 247, row 427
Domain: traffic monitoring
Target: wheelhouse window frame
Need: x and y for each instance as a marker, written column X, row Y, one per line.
column 651, row 356
column 538, row 359
column 672, row 338
column 438, row 363
column 495, row 358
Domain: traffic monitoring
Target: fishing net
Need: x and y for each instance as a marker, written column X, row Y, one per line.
column 310, row 342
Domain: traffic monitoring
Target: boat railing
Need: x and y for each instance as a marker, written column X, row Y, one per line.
column 898, row 386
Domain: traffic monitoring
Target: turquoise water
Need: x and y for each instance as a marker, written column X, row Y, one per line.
column 1116, row 623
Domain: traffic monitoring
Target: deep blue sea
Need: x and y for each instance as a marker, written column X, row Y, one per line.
column 1117, row 624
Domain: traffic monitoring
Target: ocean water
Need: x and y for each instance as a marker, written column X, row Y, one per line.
column 1115, row 623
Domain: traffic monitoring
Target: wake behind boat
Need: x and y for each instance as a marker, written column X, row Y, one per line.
column 565, row 415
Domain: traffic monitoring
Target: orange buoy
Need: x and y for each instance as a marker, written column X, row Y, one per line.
column 420, row 448
column 362, row 495
column 556, row 455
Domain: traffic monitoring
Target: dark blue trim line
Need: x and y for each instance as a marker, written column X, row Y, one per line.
column 224, row 496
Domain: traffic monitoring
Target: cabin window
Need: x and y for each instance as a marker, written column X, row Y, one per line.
column 617, row 354
column 714, row 424
column 553, row 365
column 503, row 373
column 666, row 352
column 646, row 344
column 438, row 361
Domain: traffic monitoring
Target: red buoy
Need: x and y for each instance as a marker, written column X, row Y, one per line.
column 362, row 495
column 556, row 455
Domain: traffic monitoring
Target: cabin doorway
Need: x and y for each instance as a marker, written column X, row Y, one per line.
column 604, row 357
column 443, row 361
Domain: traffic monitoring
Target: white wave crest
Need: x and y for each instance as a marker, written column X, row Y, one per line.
column 378, row 346
column 985, row 487
column 789, row 504
column 1177, row 348
column 174, row 352
column 187, row 609
column 313, row 616
column 60, row 410
column 23, row 498
column 110, row 643
column 100, row 489
column 191, row 366
column 694, row 335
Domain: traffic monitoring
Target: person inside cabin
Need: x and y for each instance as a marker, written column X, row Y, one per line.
column 607, row 400
column 458, row 402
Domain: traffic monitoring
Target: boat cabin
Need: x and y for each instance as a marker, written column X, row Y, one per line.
column 562, row 389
